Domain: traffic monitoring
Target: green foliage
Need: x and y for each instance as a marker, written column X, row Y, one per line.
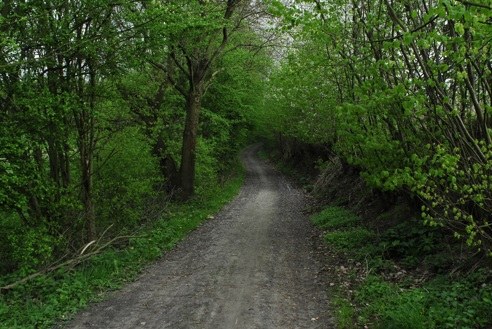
column 415, row 244
column 32, row 247
column 344, row 312
column 445, row 301
column 398, row 92
column 231, row 103
column 391, row 307
column 298, row 93
column 349, row 239
column 335, row 218
column 127, row 176
column 438, row 304
column 93, row 107
column 40, row 302
column 345, row 232
column 207, row 167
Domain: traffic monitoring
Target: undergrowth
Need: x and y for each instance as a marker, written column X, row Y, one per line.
column 402, row 277
column 54, row 297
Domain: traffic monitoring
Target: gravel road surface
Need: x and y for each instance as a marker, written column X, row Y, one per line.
column 255, row 265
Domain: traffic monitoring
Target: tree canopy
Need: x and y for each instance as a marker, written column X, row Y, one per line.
column 400, row 90
column 108, row 106
column 100, row 105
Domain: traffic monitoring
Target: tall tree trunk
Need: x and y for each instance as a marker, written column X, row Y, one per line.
column 84, row 120
column 86, row 190
column 195, row 64
column 188, row 151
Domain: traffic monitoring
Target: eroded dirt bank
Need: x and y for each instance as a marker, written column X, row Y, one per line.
column 254, row 266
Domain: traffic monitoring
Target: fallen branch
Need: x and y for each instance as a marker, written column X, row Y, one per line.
column 71, row 262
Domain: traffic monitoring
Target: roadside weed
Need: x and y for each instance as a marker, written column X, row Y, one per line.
column 334, row 218
column 348, row 239
column 390, row 292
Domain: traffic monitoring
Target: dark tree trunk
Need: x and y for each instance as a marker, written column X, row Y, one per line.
column 89, row 212
column 198, row 62
column 188, row 151
column 84, row 120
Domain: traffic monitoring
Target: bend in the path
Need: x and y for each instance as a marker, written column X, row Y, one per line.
column 254, row 266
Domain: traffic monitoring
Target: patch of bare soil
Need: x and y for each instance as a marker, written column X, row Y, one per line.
column 258, row 264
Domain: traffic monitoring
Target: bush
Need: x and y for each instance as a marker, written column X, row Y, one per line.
column 126, row 178
column 32, row 247
column 411, row 242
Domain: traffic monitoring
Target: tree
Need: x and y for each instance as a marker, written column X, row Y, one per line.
column 194, row 49
column 54, row 56
column 82, row 81
column 407, row 85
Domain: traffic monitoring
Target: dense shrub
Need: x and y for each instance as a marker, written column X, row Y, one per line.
column 401, row 92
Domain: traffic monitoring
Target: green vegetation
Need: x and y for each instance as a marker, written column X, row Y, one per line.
column 335, row 218
column 397, row 94
column 57, row 295
column 400, row 91
column 440, row 303
column 119, row 121
column 120, row 125
column 389, row 291
column 110, row 108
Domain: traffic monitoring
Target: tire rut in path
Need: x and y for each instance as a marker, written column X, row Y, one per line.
column 254, row 266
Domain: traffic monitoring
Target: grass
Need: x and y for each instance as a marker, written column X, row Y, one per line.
column 439, row 303
column 345, row 312
column 55, row 297
column 348, row 239
column 377, row 299
column 335, row 218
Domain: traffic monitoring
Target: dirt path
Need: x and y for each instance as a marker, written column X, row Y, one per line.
column 253, row 266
